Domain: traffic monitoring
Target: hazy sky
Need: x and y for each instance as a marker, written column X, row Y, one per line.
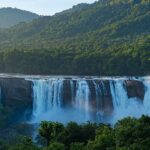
column 44, row 7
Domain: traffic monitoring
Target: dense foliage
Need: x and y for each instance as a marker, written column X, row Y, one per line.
column 97, row 39
column 127, row 134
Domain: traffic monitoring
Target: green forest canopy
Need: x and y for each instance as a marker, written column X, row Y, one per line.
column 127, row 134
column 109, row 37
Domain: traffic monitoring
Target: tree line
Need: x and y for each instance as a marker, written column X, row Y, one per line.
column 126, row 134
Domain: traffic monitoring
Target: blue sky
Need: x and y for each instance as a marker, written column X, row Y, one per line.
column 43, row 7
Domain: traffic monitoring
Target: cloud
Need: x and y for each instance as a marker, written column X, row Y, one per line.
column 44, row 7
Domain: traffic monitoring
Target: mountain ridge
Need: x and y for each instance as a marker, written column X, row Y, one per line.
column 12, row 16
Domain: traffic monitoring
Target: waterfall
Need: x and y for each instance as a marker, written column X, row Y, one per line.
column 97, row 90
column 99, row 106
column 147, row 96
column 72, row 91
column 124, row 106
column 119, row 94
column 49, row 100
column 82, row 98
column 120, row 100
column 47, row 97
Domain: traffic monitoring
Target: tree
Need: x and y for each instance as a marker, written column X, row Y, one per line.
column 104, row 139
column 50, row 130
column 77, row 146
column 25, row 144
column 55, row 146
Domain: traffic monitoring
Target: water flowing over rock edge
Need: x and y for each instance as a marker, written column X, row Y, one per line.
column 80, row 99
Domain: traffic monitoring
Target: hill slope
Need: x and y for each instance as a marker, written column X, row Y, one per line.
column 105, row 38
column 12, row 16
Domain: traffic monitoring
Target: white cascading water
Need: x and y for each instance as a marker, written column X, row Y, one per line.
column 82, row 98
column 48, row 100
column 124, row 106
column 98, row 91
column 146, row 102
column 99, row 110
column 119, row 94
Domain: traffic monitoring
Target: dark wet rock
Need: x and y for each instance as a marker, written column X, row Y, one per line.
column 16, row 95
column 107, row 104
column 16, row 91
column 67, row 95
column 91, row 84
column 101, row 99
column 135, row 89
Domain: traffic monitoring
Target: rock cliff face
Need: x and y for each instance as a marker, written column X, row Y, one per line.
column 103, row 93
column 135, row 89
column 17, row 95
column 16, row 90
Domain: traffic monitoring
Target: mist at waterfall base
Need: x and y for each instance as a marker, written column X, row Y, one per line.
column 48, row 101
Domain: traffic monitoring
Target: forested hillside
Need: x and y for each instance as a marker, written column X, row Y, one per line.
column 110, row 37
column 13, row 16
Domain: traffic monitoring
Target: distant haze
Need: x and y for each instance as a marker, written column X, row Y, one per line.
column 42, row 7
